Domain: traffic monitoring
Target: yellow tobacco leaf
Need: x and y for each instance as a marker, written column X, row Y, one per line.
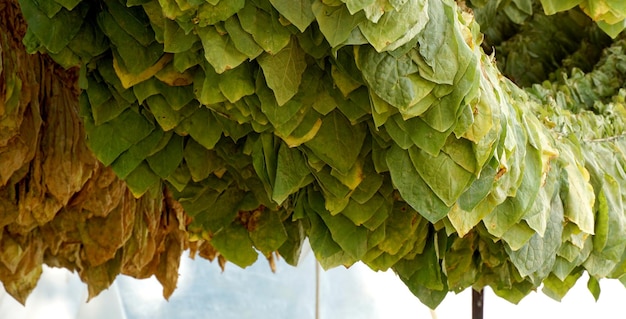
column 128, row 79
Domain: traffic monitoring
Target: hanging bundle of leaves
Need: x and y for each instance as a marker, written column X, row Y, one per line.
column 379, row 129
column 58, row 204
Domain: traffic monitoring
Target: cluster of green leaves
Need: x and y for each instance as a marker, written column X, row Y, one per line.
column 610, row 14
column 588, row 113
column 376, row 128
column 531, row 46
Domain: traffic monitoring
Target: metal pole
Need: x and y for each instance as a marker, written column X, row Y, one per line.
column 317, row 289
column 477, row 304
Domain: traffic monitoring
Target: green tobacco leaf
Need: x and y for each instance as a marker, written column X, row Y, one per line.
column 331, row 185
column 166, row 160
column 291, row 249
column 306, row 131
column 197, row 198
column 89, row 42
column 361, row 213
column 210, row 14
column 464, row 221
column 438, row 43
column 201, row 161
column 459, row 263
column 344, row 82
column 54, row 33
column 68, row 4
column 105, row 106
column 338, row 143
column 613, row 30
column 176, row 96
column 336, row 195
column 422, row 135
column 312, row 41
column 219, row 49
column 265, row 159
column 518, row 235
column 223, row 210
column 292, row 173
column 358, row 5
column 368, row 187
column 442, row 174
column 135, row 57
column 443, row 115
column 297, row 12
column 165, row 115
column 412, row 187
column 396, row 230
column 609, row 215
column 188, row 59
column 427, row 282
column 243, row 41
column 514, row 208
column 129, row 128
column 356, row 107
column 268, row 234
column 352, row 178
column 397, row 129
column 383, row 261
column 392, row 78
column 179, row 178
column 326, row 250
column 265, row 28
column 554, row 6
column 203, row 127
column 133, row 20
column 516, row 292
column 233, row 129
column 142, row 179
column 285, row 118
column 461, row 152
column 609, row 221
column 283, row 71
column 598, row 265
column 379, row 217
column 351, row 238
column 335, row 22
column 410, row 19
column 237, row 83
column 429, row 297
column 130, row 159
column 175, row 39
column 235, row 245
column 556, row 289
column 541, row 250
column 205, row 89
column 593, row 284
column 579, row 197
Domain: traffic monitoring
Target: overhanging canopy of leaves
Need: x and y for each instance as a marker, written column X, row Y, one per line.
column 379, row 129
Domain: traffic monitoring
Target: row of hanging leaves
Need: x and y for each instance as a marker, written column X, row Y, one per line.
column 380, row 130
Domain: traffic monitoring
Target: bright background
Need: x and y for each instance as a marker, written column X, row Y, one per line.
column 204, row 291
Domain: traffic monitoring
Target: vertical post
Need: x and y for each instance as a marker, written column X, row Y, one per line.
column 317, row 289
column 477, row 304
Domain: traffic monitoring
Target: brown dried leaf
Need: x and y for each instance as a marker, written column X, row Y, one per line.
column 21, row 282
column 64, row 140
column 100, row 277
